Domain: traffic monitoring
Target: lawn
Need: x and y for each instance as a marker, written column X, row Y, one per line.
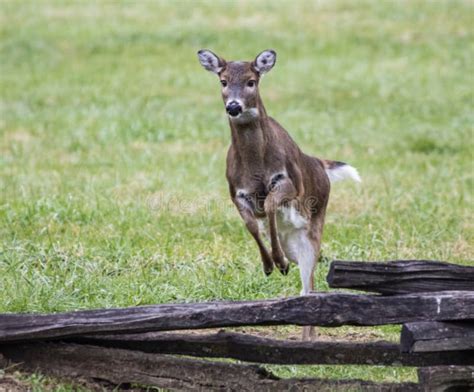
column 113, row 144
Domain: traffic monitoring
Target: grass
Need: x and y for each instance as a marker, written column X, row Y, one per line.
column 113, row 143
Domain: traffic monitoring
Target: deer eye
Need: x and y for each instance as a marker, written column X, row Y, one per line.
column 224, row 83
column 251, row 83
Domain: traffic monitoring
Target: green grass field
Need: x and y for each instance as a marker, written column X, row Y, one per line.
column 113, row 143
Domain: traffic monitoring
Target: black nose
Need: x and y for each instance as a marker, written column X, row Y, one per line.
column 233, row 108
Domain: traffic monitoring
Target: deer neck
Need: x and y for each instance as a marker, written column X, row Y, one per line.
column 250, row 138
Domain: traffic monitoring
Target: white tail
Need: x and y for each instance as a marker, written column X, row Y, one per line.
column 343, row 172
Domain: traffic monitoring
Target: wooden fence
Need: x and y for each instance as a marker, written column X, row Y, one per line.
column 433, row 301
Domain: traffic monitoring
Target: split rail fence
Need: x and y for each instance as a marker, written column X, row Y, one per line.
column 434, row 301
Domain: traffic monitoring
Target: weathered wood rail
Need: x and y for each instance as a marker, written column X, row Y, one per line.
column 126, row 346
column 401, row 277
column 437, row 336
column 117, row 366
column 273, row 351
column 322, row 309
column 447, row 378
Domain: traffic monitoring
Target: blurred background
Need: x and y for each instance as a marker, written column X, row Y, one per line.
column 113, row 143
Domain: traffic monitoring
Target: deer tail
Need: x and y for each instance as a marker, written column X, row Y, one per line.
column 338, row 171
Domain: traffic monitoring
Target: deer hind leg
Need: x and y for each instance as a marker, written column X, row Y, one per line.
column 315, row 234
column 303, row 246
column 300, row 249
column 309, row 331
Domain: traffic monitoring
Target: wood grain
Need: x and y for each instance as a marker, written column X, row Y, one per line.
column 324, row 309
column 263, row 350
column 437, row 336
column 400, row 277
column 125, row 367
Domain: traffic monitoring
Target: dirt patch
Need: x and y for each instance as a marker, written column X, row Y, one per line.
column 10, row 384
column 294, row 333
column 12, row 380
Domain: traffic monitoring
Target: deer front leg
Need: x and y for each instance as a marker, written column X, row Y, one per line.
column 251, row 223
column 281, row 191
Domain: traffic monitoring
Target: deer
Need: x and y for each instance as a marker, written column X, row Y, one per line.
column 280, row 192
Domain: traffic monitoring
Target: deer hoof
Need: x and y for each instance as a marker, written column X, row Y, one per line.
column 285, row 269
column 268, row 271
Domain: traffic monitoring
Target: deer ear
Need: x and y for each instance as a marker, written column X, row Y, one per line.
column 265, row 61
column 211, row 61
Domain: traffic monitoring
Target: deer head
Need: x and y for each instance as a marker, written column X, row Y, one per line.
column 239, row 81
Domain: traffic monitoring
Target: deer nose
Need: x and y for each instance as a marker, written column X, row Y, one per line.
column 233, row 108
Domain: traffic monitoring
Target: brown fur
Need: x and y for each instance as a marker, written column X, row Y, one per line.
column 260, row 148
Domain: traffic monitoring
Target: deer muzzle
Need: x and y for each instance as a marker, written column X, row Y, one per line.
column 233, row 108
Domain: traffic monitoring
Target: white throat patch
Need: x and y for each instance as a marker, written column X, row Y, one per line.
column 245, row 117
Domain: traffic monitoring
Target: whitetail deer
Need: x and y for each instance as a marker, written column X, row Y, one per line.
column 275, row 186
